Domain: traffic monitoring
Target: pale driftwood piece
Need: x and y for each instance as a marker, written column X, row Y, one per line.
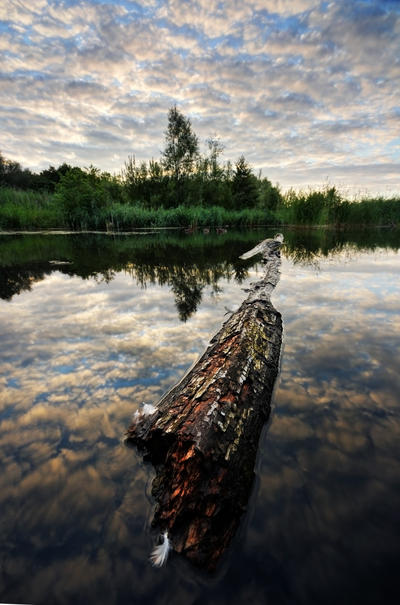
column 203, row 435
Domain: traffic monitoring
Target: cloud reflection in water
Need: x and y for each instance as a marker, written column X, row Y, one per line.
column 79, row 356
column 329, row 477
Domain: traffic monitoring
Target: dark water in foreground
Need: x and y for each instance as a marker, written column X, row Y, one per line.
column 84, row 344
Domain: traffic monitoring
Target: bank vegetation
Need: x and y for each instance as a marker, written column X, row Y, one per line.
column 183, row 188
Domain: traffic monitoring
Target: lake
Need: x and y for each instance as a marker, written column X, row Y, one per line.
column 94, row 325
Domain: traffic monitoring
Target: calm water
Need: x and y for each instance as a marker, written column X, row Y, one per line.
column 84, row 344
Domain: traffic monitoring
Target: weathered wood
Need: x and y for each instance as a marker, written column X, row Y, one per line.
column 203, row 435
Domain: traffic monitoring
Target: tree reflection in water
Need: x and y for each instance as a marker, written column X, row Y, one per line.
column 187, row 265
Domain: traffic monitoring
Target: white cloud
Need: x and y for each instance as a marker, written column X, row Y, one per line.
column 317, row 90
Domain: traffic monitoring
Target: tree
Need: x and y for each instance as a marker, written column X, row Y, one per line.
column 81, row 194
column 182, row 145
column 244, row 185
column 13, row 175
column 215, row 148
column 269, row 196
column 48, row 178
column 2, row 168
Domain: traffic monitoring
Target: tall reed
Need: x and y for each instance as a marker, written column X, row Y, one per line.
column 29, row 210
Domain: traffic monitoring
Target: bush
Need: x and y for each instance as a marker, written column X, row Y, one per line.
column 81, row 194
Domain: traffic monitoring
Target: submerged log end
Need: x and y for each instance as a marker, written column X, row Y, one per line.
column 200, row 502
column 203, row 436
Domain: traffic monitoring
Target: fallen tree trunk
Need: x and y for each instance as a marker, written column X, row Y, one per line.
column 203, row 435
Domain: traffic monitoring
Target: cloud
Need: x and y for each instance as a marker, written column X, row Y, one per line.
column 287, row 83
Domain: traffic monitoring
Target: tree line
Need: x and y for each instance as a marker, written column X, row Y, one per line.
column 181, row 177
column 182, row 188
column 12, row 174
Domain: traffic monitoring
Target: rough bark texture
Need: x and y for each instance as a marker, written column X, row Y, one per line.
column 203, row 436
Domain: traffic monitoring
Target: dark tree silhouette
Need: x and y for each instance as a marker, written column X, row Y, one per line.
column 244, row 185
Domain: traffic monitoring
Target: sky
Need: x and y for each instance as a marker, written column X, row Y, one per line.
column 308, row 91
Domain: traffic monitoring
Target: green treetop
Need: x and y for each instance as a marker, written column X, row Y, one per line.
column 182, row 145
column 244, row 185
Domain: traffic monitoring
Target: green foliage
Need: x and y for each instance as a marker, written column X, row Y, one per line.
column 327, row 207
column 145, row 184
column 314, row 207
column 244, row 185
column 13, row 175
column 182, row 146
column 181, row 178
column 28, row 210
column 269, row 196
column 49, row 178
column 380, row 211
column 215, row 148
column 122, row 217
column 182, row 189
column 82, row 194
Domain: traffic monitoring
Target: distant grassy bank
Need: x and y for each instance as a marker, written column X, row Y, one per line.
column 30, row 210
column 328, row 207
column 27, row 210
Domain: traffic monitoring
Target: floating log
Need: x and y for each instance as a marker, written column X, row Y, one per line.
column 203, row 435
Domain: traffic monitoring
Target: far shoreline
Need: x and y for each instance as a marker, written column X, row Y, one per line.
column 198, row 231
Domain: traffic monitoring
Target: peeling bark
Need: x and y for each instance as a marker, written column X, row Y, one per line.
column 203, row 435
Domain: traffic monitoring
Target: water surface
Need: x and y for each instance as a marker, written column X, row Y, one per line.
column 112, row 322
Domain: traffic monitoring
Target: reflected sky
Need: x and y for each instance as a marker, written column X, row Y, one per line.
column 79, row 356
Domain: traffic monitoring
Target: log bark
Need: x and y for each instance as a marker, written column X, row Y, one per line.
column 203, row 435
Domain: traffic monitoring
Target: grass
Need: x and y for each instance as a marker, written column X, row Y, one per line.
column 381, row 212
column 30, row 210
column 124, row 217
column 33, row 210
column 328, row 207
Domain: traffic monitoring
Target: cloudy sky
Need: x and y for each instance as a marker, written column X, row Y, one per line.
column 308, row 91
